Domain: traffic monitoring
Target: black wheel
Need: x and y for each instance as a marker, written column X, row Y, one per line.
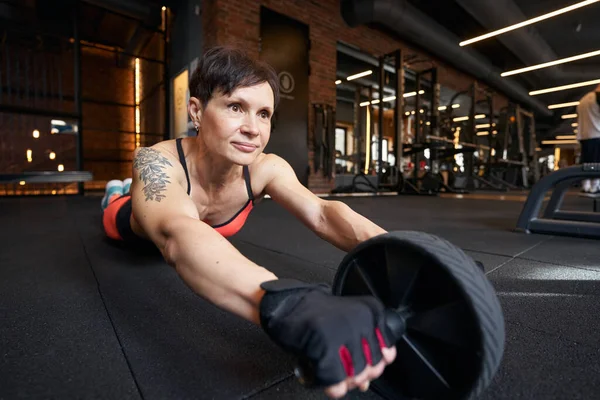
column 432, row 182
column 454, row 338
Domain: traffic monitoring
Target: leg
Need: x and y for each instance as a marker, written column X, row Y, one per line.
column 114, row 189
column 586, row 186
column 586, row 157
column 117, row 222
column 126, row 185
column 114, row 216
column 595, row 186
column 595, row 158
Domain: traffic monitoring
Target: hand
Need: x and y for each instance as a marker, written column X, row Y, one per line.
column 364, row 378
column 344, row 339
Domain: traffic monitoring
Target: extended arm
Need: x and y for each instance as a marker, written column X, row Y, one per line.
column 214, row 269
column 343, row 227
column 206, row 261
column 331, row 220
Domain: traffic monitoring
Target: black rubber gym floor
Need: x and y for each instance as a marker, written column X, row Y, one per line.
column 82, row 318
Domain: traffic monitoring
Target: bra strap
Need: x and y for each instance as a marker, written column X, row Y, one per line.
column 182, row 161
column 248, row 185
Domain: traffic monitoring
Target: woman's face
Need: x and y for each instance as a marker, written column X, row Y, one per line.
column 237, row 127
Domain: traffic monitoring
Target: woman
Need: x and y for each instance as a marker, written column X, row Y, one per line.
column 188, row 195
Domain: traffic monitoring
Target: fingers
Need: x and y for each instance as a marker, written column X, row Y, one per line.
column 337, row 391
column 389, row 354
column 364, row 387
column 369, row 374
column 363, row 380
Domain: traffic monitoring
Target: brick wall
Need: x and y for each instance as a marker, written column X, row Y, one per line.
column 31, row 81
column 108, row 141
column 45, row 81
column 109, row 130
column 152, row 94
column 237, row 22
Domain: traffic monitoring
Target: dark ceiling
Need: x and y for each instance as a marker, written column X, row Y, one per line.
column 566, row 35
column 569, row 34
column 121, row 24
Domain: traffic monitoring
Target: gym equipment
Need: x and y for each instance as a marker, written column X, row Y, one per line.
column 47, row 177
column 515, row 163
column 42, row 182
column 324, row 139
column 442, row 309
column 432, row 182
column 447, row 318
column 476, row 150
column 373, row 173
column 555, row 221
column 426, row 138
column 360, row 183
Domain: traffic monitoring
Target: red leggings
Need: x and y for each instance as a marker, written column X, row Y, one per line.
column 116, row 217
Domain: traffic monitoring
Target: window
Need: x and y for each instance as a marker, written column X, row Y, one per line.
column 340, row 145
column 340, row 140
column 375, row 149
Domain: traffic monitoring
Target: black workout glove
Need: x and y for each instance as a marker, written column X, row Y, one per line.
column 336, row 335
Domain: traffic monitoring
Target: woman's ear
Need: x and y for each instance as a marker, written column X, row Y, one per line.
column 195, row 112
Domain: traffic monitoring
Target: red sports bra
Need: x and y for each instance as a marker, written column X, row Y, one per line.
column 236, row 222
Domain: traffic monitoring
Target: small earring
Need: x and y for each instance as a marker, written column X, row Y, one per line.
column 197, row 128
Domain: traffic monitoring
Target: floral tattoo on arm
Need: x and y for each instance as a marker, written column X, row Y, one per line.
column 150, row 163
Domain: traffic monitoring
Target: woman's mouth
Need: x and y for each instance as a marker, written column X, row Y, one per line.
column 245, row 147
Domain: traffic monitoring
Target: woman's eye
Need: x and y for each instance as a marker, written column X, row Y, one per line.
column 264, row 114
column 235, row 107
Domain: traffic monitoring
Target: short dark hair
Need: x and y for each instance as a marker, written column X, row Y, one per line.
column 224, row 69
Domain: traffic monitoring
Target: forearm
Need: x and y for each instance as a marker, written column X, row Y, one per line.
column 345, row 228
column 216, row 270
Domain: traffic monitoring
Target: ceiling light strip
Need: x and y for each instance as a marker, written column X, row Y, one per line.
column 566, row 137
column 559, row 142
column 551, row 63
column 563, row 105
column 359, row 75
column 528, row 22
column 565, row 87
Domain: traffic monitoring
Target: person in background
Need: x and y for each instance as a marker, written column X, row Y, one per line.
column 588, row 134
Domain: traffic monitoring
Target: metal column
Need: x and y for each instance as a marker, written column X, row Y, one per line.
column 417, row 138
column 435, row 103
column 78, row 92
column 357, row 132
column 522, row 152
column 380, row 124
column 369, row 142
column 166, row 80
column 399, row 112
column 434, row 162
column 491, row 136
column 468, row 157
column 533, row 151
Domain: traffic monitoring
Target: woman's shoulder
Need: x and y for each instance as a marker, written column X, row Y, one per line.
column 163, row 154
column 264, row 165
column 264, row 169
column 268, row 160
column 165, row 148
